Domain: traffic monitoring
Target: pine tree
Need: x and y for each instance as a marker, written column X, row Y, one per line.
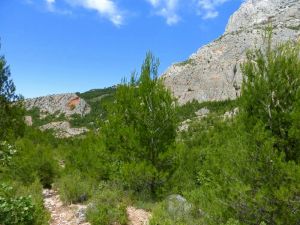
column 141, row 126
column 11, row 110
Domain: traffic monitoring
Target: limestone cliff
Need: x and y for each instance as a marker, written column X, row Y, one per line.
column 67, row 104
column 213, row 72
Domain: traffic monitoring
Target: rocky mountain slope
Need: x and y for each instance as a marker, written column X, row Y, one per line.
column 70, row 114
column 213, row 72
column 56, row 110
column 67, row 104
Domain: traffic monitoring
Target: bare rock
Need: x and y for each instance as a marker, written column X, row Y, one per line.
column 231, row 114
column 202, row 112
column 137, row 216
column 67, row 104
column 63, row 129
column 213, row 72
column 28, row 121
column 178, row 206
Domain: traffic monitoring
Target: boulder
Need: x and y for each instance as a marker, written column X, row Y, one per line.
column 178, row 206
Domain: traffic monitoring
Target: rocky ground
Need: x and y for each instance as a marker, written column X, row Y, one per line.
column 62, row 214
column 75, row 214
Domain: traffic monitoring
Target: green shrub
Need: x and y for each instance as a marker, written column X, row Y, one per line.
column 34, row 190
column 74, row 188
column 34, row 160
column 108, row 206
column 137, row 176
column 141, row 125
column 270, row 93
column 15, row 210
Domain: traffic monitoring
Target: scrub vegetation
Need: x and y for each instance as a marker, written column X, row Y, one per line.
column 240, row 170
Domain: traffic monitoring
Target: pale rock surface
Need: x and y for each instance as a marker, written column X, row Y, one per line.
column 75, row 214
column 178, row 206
column 202, row 112
column 67, row 104
column 28, row 121
column 213, row 72
column 137, row 216
column 231, row 114
column 63, row 214
column 63, row 129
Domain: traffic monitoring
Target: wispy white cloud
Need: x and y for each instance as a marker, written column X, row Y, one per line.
column 208, row 8
column 105, row 8
column 167, row 9
column 50, row 5
column 170, row 9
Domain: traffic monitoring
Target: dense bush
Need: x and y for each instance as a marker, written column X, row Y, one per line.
column 12, row 122
column 35, row 159
column 271, row 91
column 15, row 210
column 108, row 206
column 141, row 127
column 74, row 188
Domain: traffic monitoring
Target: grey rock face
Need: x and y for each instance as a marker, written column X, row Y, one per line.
column 213, row 72
column 178, row 206
column 28, row 120
column 202, row 112
column 63, row 129
column 67, row 104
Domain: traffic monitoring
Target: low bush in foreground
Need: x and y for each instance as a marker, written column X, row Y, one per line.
column 108, row 206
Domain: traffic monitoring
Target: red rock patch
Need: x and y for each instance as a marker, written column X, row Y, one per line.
column 73, row 102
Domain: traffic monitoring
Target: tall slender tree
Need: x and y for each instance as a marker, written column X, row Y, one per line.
column 141, row 126
column 11, row 110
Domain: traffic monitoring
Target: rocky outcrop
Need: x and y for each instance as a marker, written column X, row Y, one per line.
column 67, row 104
column 28, row 120
column 63, row 129
column 213, row 72
column 63, row 214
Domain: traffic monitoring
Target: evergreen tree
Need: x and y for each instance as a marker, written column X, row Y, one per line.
column 270, row 93
column 141, row 126
column 11, row 110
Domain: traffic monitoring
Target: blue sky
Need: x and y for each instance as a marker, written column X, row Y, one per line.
column 60, row 46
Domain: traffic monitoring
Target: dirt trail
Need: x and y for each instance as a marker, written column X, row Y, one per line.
column 137, row 216
column 61, row 214
column 75, row 214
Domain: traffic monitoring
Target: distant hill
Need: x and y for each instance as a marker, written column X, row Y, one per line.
column 68, row 114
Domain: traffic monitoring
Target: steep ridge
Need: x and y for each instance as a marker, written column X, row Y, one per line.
column 56, row 111
column 67, row 104
column 213, row 72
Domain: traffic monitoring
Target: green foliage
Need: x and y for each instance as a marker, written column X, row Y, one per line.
column 37, row 121
column 74, row 188
column 186, row 62
column 7, row 152
column 162, row 216
column 21, row 204
column 11, row 110
column 142, row 125
column 97, row 99
column 34, row 190
column 89, row 156
column 232, row 175
column 34, row 159
column 108, row 206
column 270, row 93
column 187, row 111
column 15, row 210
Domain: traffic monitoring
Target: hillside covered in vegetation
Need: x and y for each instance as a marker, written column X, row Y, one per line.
column 233, row 162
